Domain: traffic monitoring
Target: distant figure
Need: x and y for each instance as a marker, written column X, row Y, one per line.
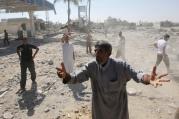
column 121, row 47
column 161, row 45
column 26, row 57
column 20, row 34
column 6, row 39
column 88, row 43
column 68, row 54
column 106, row 32
column 69, row 60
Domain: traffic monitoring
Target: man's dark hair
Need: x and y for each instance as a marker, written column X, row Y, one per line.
column 166, row 36
column 107, row 47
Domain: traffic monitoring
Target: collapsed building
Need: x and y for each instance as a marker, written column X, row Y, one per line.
column 29, row 6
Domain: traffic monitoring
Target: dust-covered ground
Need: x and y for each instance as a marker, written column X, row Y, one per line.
column 51, row 99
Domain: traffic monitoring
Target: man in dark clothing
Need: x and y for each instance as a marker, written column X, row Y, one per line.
column 6, row 39
column 26, row 58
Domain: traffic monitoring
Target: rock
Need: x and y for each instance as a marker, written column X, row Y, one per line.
column 16, row 108
column 169, row 112
column 16, row 104
column 131, row 91
column 172, row 105
column 39, row 91
column 68, row 115
column 42, row 62
column 84, row 106
column 76, row 111
column 62, row 93
column 3, row 94
column 2, row 90
column 50, row 62
column 46, row 72
column 46, row 110
column 53, row 107
column 7, row 115
column 158, row 110
column 2, row 67
column 79, row 65
column 151, row 98
column 58, row 117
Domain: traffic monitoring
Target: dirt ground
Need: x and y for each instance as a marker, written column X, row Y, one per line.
column 51, row 99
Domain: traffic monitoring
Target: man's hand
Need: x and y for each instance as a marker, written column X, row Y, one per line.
column 36, row 51
column 33, row 57
column 156, row 80
column 61, row 72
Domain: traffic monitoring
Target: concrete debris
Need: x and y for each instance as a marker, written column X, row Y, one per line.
column 58, row 117
column 46, row 110
column 76, row 111
column 131, row 91
column 7, row 115
column 50, row 62
column 3, row 94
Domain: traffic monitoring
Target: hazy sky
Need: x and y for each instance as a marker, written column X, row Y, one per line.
column 131, row 10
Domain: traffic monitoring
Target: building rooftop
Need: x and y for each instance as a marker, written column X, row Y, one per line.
column 11, row 6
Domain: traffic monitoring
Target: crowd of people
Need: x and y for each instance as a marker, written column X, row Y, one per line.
column 108, row 80
column 108, row 76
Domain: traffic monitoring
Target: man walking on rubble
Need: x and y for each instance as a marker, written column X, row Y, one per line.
column 161, row 45
column 6, row 39
column 88, row 42
column 121, row 46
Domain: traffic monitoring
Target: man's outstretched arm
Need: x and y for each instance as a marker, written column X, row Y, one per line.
column 153, row 78
column 79, row 77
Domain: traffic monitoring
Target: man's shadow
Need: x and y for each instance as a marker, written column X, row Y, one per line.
column 30, row 99
column 77, row 90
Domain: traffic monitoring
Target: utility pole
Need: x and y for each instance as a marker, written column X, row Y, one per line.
column 89, row 11
column 47, row 18
column 69, row 15
column 68, row 12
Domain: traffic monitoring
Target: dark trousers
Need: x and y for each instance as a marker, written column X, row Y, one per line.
column 31, row 66
column 6, row 41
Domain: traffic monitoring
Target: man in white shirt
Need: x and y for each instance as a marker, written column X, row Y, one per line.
column 68, row 54
column 121, row 47
column 161, row 51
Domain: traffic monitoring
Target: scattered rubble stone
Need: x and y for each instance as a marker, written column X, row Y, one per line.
column 50, row 62
column 46, row 110
column 131, row 91
column 7, row 115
